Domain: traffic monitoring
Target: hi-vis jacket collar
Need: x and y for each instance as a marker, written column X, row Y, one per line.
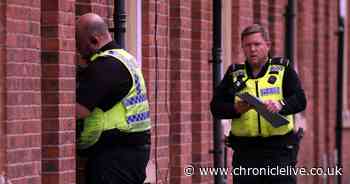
column 94, row 57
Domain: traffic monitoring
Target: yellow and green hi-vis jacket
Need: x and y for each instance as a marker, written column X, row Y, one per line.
column 129, row 115
column 267, row 87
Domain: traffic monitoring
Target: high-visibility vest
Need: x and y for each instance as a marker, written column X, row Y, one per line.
column 267, row 87
column 129, row 115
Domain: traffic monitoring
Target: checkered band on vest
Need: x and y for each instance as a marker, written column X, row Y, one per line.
column 134, row 100
column 138, row 117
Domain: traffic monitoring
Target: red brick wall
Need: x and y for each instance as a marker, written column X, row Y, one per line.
column 183, row 125
column 201, row 87
column 21, row 102
column 2, row 78
column 276, row 25
column 242, row 16
column 305, row 58
column 58, row 88
column 316, row 52
column 161, row 134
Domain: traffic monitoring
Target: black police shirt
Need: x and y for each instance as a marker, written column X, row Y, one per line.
column 104, row 82
column 293, row 94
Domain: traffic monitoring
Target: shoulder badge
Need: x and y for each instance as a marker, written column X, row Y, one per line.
column 280, row 61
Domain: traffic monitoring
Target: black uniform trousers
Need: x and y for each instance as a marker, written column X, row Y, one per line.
column 119, row 164
column 263, row 156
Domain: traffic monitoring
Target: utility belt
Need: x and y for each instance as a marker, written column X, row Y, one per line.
column 276, row 141
column 115, row 138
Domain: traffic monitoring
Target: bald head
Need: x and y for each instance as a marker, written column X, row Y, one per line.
column 92, row 33
column 92, row 24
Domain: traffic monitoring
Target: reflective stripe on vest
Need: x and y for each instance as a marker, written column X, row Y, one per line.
column 268, row 87
column 129, row 115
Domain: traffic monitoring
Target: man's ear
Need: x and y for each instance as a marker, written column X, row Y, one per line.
column 93, row 40
column 268, row 44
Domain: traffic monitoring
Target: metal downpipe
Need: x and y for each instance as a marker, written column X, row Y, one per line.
column 339, row 102
column 290, row 30
column 216, row 61
column 119, row 19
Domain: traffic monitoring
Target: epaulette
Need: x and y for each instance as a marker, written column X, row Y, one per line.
column 280, row 61
column 237, row 70
column 236, row 67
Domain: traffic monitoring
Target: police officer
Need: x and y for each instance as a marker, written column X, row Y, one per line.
column 256, row 143
column 112, row 101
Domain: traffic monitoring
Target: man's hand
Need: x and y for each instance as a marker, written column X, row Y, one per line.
column 273, row 105
column 242, row 107
column 81, row 111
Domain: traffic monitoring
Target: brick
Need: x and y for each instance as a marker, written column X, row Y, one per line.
column 22, row 41
column 23, row 170
column 22, row 84
column 55, row 97
column 67, row 32
column 23, row 99
column 67, row 71
column 18, row 12
column 82, row 9
column 20, row 156
column 54, row 138
column 49, row 31
column 25, row 56
column 23, row 127
column 50, row 124
column 67, row 6
column 23, row 112
column 50, row 84
column 50, row 71
column 23, row 141
column 50, row 166
column 50, row 57
column 34, row 179
column 50, row 44
column 34, row 3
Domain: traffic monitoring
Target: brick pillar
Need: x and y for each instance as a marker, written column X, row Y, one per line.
column 180, row 94
column 305, row 45
column 2, row 88
column 201, row 87
column 276, row 25
column 319, row 90
column 58, row 88
column 20, row 115
column 242, row 16
column 158, row 171
column 329, row 82
column 260, row 14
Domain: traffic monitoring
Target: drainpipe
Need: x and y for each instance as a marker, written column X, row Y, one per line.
column 339, row 107
column 119, row 19
column 216, row 61
column 290, row 30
